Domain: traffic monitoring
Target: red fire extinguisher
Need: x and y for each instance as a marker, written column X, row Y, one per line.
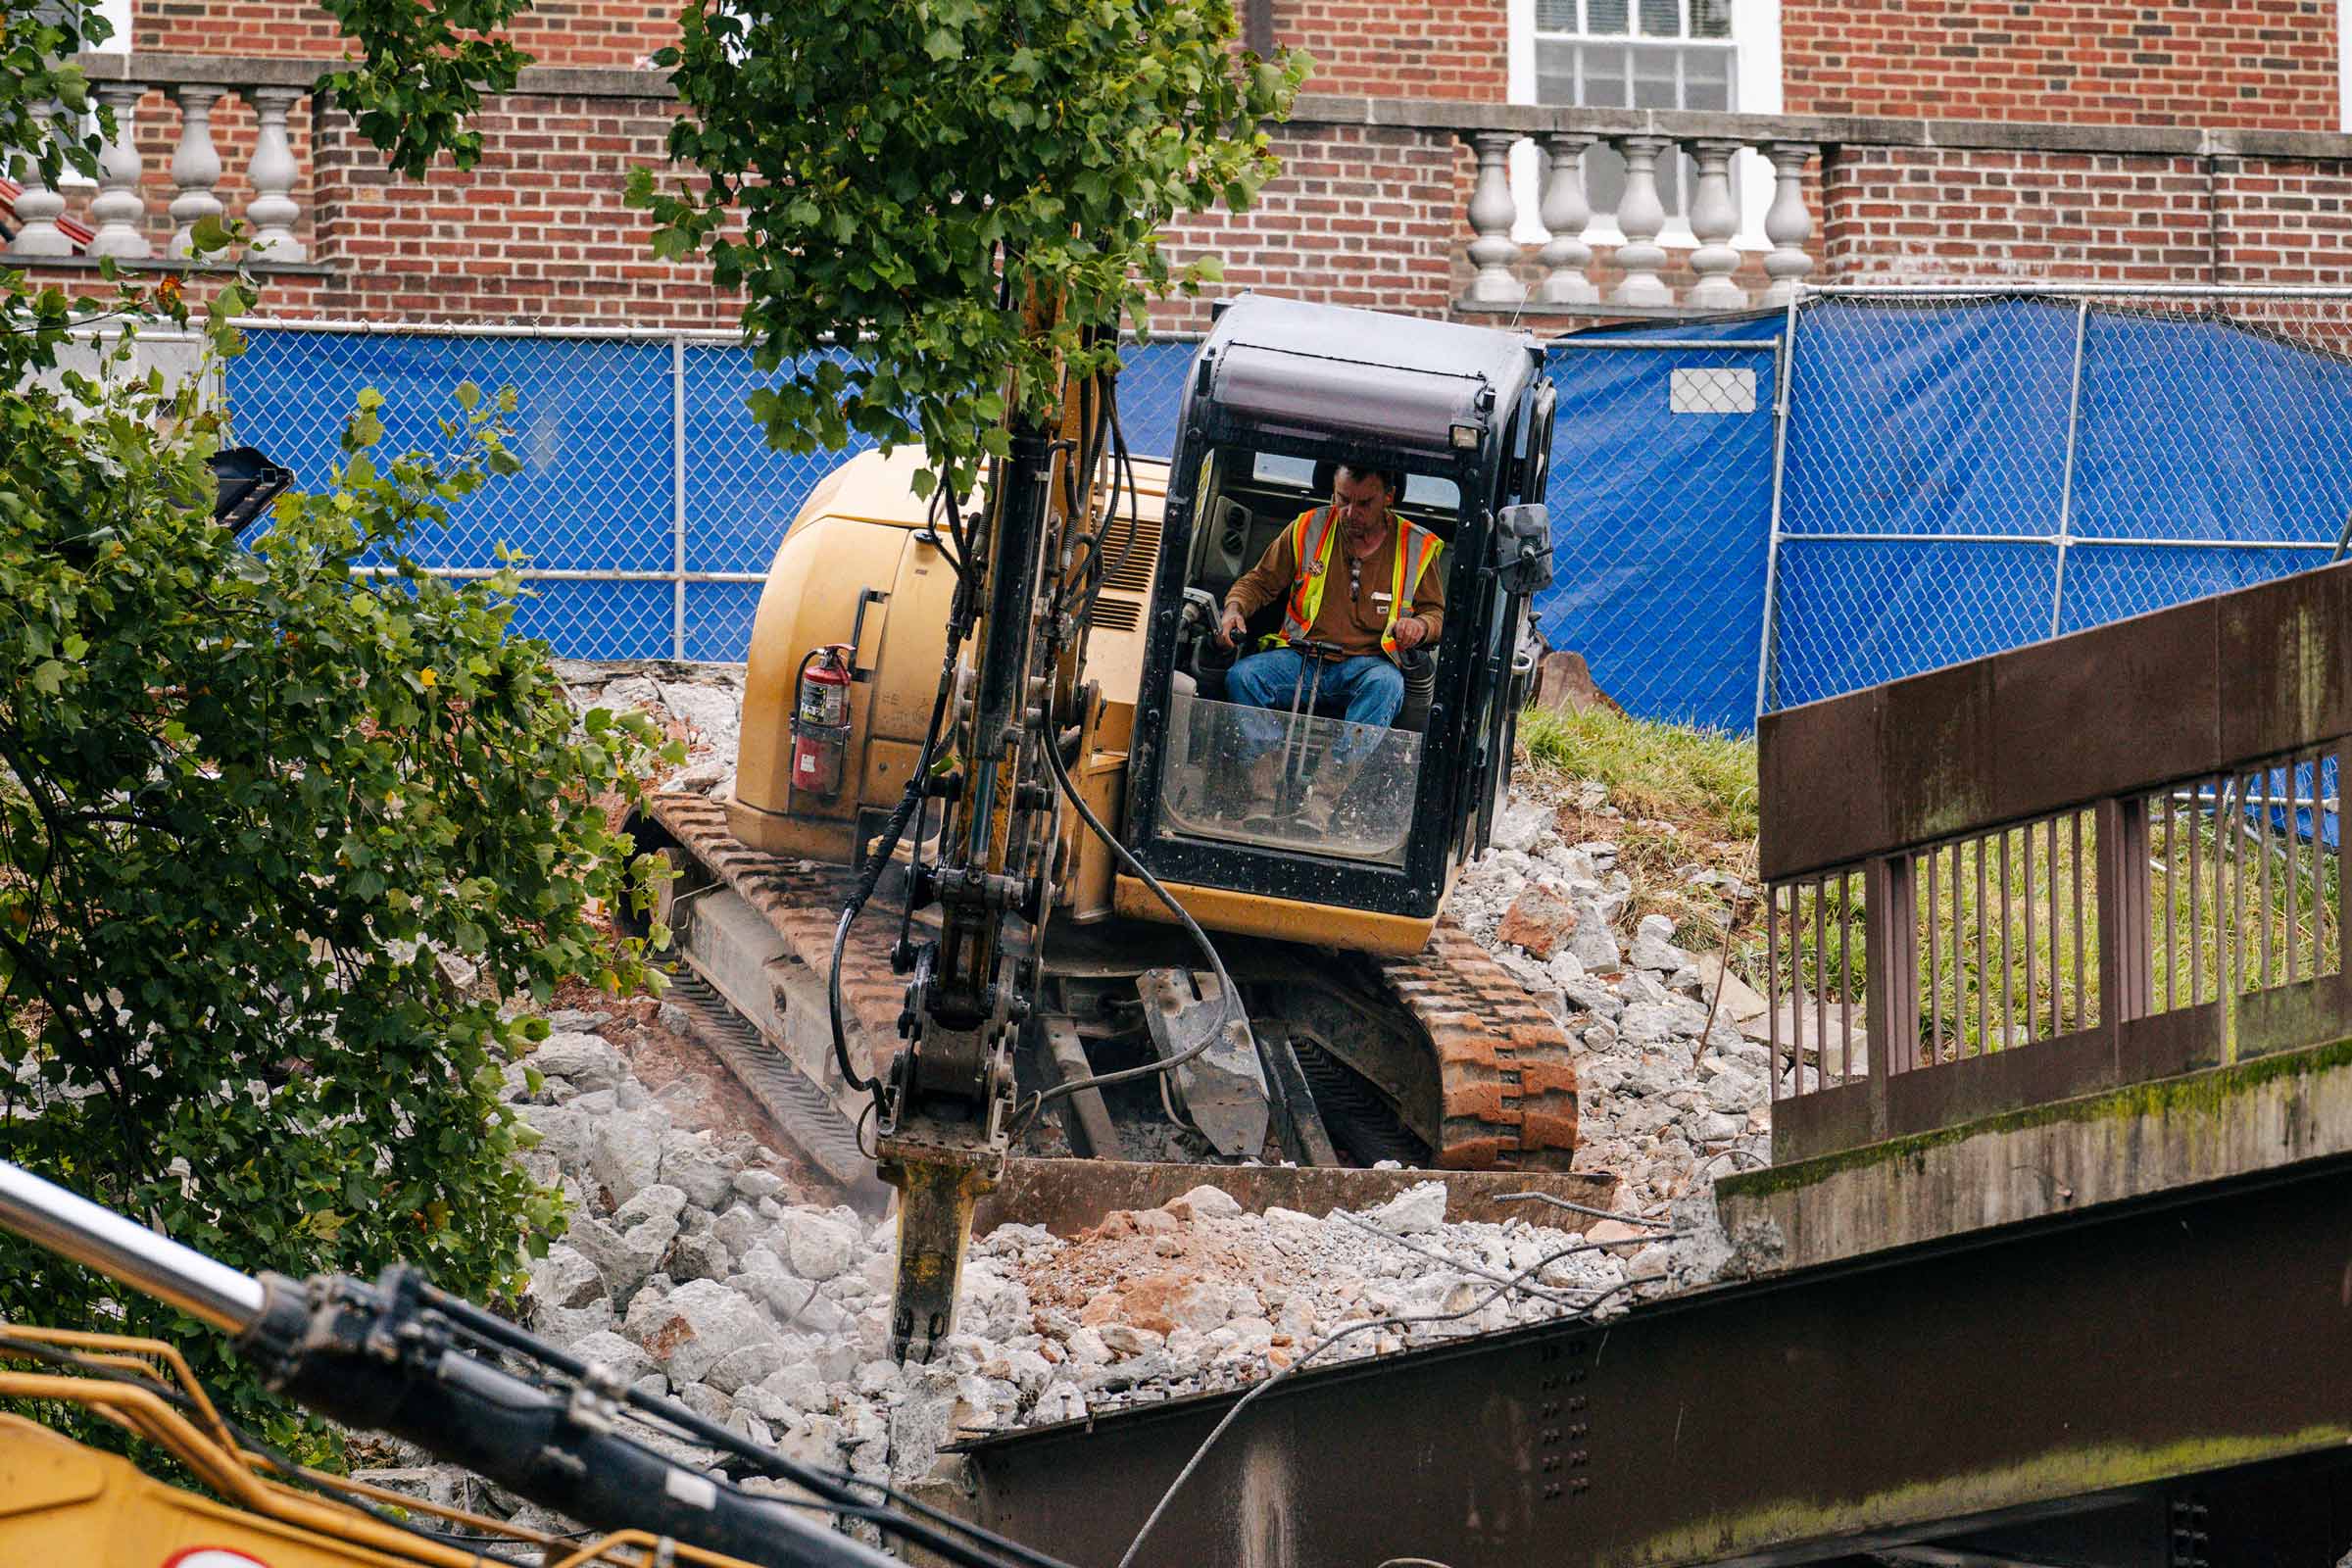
column 820, row 720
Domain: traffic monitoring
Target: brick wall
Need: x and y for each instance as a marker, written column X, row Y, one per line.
column 1400, row 48
column 1359, row 215
column 618, row 33
column 536, row 229
column 2249, row 64
column 1925, row 216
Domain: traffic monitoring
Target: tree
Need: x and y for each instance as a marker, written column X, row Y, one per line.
column 905, row 176
column 281, row 840
column 277, row 836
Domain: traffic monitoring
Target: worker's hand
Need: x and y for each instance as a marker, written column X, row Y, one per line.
column 1229, row 626
column 1411, row 631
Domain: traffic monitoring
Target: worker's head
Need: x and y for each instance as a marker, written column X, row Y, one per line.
column 1363, row 494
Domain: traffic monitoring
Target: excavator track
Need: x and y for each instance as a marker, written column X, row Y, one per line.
column 802, row 899
column 1505, row 1064
column 1506, row 1076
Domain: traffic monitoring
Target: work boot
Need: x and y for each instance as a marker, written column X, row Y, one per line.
column 1264, row 777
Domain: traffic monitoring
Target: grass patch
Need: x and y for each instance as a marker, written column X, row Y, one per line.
column 1684, row 799
column 1703, row 781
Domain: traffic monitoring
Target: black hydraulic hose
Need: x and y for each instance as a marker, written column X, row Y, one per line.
column 870, row 877
column 834, row 1490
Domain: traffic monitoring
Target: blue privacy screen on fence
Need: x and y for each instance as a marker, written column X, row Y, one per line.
column 1959, row 477
column 1661, row 506
column 1963, row 476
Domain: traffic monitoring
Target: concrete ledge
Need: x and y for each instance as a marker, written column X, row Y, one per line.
column 267, row 70
column 2061, row 1159
column 1438, row 117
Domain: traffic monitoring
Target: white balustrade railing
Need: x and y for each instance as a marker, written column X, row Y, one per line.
column 1567, row 215
column 118, row 211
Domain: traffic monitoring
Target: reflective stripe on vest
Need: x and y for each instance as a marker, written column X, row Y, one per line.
column 1311, row 534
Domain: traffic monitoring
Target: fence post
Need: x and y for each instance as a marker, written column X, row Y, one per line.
column 678, row 496
column 2125, row 979
column 2066, row 485
column 1784, row 367
column 1890, row 951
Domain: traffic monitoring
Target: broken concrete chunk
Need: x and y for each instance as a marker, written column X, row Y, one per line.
column 1542, row 920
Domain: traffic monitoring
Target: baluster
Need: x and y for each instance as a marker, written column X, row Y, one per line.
column 1492, row 214
column 117, row 206
column 1714, row 219
column 272, row 209
column 39, row 205
column 1642, row 218
column 1567, row 259
column 195, row 167
column 1787, row 224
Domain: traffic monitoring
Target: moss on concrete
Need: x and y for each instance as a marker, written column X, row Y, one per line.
column 2067, row 1473
column 2206, row 1094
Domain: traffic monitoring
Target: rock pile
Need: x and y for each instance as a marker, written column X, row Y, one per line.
column 696, row 1271
column 1666, row 1101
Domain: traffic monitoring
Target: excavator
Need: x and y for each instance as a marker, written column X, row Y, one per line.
column 1119, row 911
column 1050, row 823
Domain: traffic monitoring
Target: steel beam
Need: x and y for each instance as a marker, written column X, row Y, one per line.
column 2030, row 1374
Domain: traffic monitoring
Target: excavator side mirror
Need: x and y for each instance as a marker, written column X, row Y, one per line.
column 1521, row 547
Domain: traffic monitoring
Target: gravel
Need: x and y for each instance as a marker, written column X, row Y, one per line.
column 692, row 1271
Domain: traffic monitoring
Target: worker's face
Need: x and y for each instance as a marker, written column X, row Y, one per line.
column 1363, row 503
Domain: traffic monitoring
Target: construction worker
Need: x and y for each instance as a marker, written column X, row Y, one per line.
column 1394, row 602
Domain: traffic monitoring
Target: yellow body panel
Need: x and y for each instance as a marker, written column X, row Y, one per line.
column 859, row 531
column 1253, row 914
column 62, row 1503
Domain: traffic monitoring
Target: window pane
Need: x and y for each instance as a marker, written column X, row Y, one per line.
column 1607, row 16
column 1604, row 177
column 1604, row 77
column 1555, row 73
column 1655, row 85
column 1555, row 16
column 1710, row 19
column 1662, row 18
column 1707, row 79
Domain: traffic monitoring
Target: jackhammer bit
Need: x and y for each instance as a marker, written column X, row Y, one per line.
column 938, row 1188
column 941, row 1151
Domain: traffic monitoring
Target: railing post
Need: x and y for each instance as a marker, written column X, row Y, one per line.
column 195, row 167
column 1567, row 259
column 1714, row 219
column 1890, row 947
column 1643, row 217
column 272, row 209
column 2127, row 980
column 1492, row 214
column 117, row 206
column 38, row 204
column 1787, row 223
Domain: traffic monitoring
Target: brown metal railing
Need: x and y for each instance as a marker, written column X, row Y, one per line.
column 2124, row 919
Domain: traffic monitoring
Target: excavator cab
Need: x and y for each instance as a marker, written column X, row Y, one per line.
column 1352, row 836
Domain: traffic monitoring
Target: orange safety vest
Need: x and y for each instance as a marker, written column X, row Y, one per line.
column 1311, row 534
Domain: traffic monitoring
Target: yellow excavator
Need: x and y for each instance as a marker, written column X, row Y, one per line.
column 1008, row 731
column 1061, row 818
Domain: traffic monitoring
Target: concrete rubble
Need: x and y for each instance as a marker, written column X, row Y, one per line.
column 694, row 1268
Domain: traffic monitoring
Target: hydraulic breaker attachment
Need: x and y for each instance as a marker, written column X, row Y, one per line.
column 938, row 1186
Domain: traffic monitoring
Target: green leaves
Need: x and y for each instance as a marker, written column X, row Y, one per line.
column 907, row 176
column 255, row 804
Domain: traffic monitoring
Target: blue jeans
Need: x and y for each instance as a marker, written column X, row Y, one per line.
column 1372, row 687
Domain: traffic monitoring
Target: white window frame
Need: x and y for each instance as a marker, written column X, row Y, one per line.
column 1756, row 79
column 2343, row 66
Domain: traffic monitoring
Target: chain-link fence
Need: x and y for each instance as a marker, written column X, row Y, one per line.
column 1660, row 512
column 649, row 503
column 1963, row 473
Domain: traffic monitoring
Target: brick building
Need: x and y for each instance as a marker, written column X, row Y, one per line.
column 1550, row 159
